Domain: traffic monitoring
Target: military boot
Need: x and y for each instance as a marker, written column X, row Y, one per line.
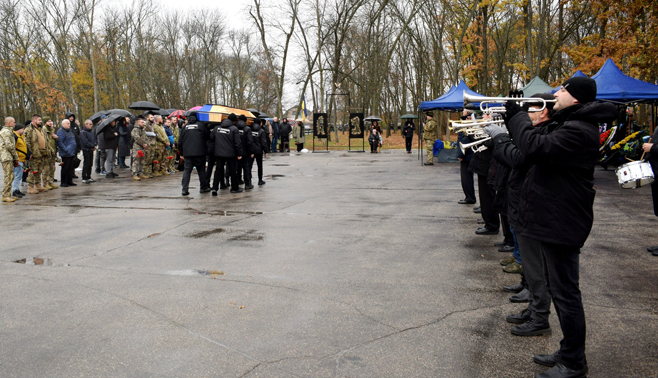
column 507, row 261
column 31, row 189
column 50, row 185
column 41, row 188
column 157, row 174
column 136, row 178
column 513, row 267
column 143, row 176
column 8, row 199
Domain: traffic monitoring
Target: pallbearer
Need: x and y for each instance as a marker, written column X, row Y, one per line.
column 261, row 147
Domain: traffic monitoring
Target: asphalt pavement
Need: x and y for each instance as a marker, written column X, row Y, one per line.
column 342, row 265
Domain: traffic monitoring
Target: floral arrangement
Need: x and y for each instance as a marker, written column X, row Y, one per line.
column 604, row 136
column 626, row 140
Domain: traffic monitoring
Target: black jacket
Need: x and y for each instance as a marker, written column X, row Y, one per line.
column 509, row 155
column 261, row 140
column 87, row 140
column 652, row 155
column 285, row 129
column 275, row 129
column 481, row 161
column 109, row 140
column 557, row 198
column 408, row 129
column 247, row 138
column 463, row 139
column 226, row 141
column 193, row 139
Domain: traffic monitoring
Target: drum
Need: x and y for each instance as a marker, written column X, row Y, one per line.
column 634, row 174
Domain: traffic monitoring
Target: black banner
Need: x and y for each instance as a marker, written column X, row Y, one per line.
column 320, row 125
column 356, row 125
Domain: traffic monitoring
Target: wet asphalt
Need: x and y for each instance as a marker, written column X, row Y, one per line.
column 342, row 265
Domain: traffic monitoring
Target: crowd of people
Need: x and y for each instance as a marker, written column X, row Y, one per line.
column 535, row 182
column 157, row 145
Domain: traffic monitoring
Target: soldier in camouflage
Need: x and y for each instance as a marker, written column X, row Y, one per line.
column 9, row 158
column 140, row 146
column 150, row 150
column 161, row 144
column 173, row 150
column 36, row 144
column 430, row 135
column 50, row 159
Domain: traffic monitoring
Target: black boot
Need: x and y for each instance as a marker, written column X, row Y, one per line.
column 521, row 297
column 532, row 328
column 248, row 186
column 519, row 318
column 261, row 182
column 561, row 371
column 513, row 288
column 549, row 360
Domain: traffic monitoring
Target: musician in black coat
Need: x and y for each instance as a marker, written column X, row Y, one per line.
column 556, row 207
column 479, row 165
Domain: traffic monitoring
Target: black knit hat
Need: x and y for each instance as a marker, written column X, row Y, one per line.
column 242, row 117
column 581, row 88
column 232, row 117
column 18, row 127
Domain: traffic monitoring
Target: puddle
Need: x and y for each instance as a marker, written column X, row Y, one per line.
column 203, row 234
column 247, row 236
column 274, row 177
column 36, row 261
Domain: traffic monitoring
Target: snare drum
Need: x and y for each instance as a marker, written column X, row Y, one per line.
column 634, row 174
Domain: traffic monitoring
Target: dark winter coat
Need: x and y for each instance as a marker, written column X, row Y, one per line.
column 226, row 141
column 193, row 140
column 109, row 140
column 481, row 161
column 125, row 141
column 463, row 139
column 66, row 142
column 509, row 155
column 285, row 129
column 247, row 138
column 75, row 129
column 557, row 197
column 652, row 155
column 408, row 129
column 261, row 140
column 87, row 140
column 275, row 129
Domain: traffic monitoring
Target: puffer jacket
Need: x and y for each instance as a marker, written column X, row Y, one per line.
column 66, row 142
column 226, row 141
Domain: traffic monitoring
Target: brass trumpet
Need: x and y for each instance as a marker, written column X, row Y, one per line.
column 485, row 101
column 475, row 146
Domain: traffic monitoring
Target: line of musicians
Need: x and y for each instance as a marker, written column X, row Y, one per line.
column 536, row 181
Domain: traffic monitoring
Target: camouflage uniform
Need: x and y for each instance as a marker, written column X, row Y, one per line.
column 51, row 157
column 38, row 159
column 149, row 153
column 8, row 155
column 161, row 141
column 139, row 140
column 430, row 135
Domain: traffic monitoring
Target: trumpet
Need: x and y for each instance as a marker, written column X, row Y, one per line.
column 460, row 126
column 475, row 146
column 485, row 101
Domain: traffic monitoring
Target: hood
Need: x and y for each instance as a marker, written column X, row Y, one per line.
column 226, row 123
column 241, row 124
column 256, row 127
column 191, row 119
column 68, row 114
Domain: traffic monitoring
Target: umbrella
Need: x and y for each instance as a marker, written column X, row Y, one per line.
column 177, row 113
column 254, row 112
column 372, row 118
column 409, row 116
column 106, row 121
column 262, row 115
column 171, row 110
column 194, row 109
column 144, row 105
column 120, row 112
column 97, row 116
column 164, row 112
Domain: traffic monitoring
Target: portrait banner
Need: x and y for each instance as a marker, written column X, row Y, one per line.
column 320, row 125
column 357, row 126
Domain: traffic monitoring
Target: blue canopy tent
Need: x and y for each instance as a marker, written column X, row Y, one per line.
column 614, row 85
column 451, row 100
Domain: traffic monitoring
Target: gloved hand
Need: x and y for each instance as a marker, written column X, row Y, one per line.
column 512, row 108
column 494, row 130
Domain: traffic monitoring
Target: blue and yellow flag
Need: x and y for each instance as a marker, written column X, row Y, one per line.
column 304, row 106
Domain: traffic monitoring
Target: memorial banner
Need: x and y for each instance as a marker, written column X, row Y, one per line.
column 320, row 125
column 356, row 125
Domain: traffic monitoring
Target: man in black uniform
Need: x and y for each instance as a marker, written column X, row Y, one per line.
column 192, row 146
column 244, row 165
column 227, row 146
column 556, row 206
column 284, row 131
column 261, row 146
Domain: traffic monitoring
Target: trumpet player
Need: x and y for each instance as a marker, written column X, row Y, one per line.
column 556, row 206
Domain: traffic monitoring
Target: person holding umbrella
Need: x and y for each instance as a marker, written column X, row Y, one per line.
column 408, row 131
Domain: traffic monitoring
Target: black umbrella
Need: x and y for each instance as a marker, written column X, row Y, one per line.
column 144, row 105
column 164, row 112
column 255, row 112
column 97, row 116
column 106, row 121
column 372, row 118
column 262, row 115
column 120, row 112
